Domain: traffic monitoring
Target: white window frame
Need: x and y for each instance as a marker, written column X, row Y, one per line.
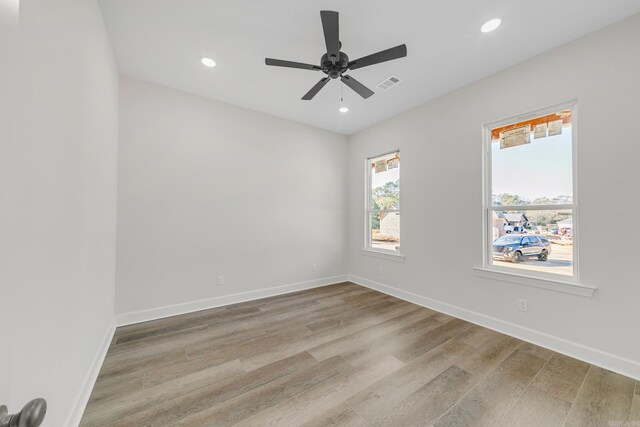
column 522, row 276
column 368, row 248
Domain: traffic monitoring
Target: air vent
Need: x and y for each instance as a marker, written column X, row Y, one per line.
column 388, row 83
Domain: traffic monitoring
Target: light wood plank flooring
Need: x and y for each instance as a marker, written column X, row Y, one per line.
column 345, row 355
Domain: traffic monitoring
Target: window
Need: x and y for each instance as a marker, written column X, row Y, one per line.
column 530, row 194
column 383, row 202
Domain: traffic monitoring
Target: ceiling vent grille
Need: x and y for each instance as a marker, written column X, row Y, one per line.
column 388, row 83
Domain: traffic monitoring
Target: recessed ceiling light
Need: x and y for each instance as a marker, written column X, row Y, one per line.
column 490, row 25
column 208, row 62
column 343, row 109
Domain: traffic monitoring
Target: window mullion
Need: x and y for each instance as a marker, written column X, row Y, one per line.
column 531, row 207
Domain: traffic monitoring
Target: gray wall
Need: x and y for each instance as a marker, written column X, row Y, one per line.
column 208, row 189
column 441, row 145
column 61, row 191
column 8, row 138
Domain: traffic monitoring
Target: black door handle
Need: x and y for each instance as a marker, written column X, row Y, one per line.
column 30, row 416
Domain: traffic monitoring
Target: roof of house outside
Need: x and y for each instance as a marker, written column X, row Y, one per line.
column 517, row 217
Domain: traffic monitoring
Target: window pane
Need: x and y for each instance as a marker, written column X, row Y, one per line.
column 385, row 182
column 385, row 230
column 384, row 201
column 531, row 162
column 535, row 240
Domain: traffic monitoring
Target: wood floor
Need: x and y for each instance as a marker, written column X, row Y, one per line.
column 344, row 355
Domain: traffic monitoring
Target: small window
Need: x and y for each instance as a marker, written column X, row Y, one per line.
column 530, row 193
column 383, row 202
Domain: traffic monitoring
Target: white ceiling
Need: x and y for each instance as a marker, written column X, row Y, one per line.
column 162, row 41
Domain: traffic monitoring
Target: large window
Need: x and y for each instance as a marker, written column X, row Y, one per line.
column 383, row 202
column 530, row 199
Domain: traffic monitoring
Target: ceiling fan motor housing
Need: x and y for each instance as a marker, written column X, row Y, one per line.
column 334, row 70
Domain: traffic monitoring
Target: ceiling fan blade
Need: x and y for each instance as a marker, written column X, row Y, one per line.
column 358, row 87
column 382, row 56
column 331, row 34
column 290, row 64
column 314, row 90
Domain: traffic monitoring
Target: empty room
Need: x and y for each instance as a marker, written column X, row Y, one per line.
column 319, row 213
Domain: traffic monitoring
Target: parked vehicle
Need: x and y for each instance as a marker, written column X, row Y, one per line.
column 517, row 247
column 514, row 229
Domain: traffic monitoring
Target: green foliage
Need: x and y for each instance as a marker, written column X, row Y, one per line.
column 546, row 218
column 375, row 222
column 542, row 201
column 387, row 196
column 384, row 198
column 507, row 199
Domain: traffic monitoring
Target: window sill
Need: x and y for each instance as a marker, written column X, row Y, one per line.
column 383, row 254
column 536, row 282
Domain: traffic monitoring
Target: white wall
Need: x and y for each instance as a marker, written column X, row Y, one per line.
column 208, row 189
column 442, row 178
column 8, row 118
column 61, row 192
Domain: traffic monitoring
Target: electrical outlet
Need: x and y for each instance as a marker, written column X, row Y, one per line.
column 380, row 269
column 523, row 305
column 220, row 280
column 314, row 267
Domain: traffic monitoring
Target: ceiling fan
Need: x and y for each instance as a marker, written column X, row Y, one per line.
column 335, row 63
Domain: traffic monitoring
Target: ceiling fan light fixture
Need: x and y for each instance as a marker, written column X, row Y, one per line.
column 208, row 62
column 490, row 25
column 343, row 109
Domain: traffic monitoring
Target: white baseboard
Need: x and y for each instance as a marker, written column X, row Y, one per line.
column 91, row 377
column 578, row 351
column 189, row 307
